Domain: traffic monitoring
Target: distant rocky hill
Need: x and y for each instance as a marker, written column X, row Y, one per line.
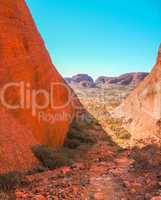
column 124, row 79
column 84, row 80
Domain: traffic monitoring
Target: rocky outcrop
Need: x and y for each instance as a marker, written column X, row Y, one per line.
column 81, row 80
column 84, row 80
column 141, row 111
column 36, row 104
column 126, row 79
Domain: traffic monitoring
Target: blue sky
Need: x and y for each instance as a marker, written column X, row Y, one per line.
column 99, row 37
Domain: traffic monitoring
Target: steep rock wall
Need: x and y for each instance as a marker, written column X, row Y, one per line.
column 141, row 111
column 26, row 65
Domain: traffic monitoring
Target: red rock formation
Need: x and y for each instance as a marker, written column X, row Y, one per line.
column 24, row 59
column 125, row 79
column 84, row 80
column 142, row 109
column 15, row 144
column 80, row 80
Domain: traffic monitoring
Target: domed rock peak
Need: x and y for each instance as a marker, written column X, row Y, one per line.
column 36, row 104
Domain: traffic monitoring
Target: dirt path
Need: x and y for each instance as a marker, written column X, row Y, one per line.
column 104, row 173
column 105, row 186
column 90, row 180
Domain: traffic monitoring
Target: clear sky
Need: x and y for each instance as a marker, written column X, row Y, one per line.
column 99, row 37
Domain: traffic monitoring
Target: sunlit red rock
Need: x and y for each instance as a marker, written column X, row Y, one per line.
column 24, row 59
column 15, row 144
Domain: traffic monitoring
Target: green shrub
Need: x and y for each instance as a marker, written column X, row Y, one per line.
column 10, row 181
column 36, row 170
column 72, row 143
column 50, row 158
column 123, row 134
column 148, row 157
column 80, row 136
column 106, row 138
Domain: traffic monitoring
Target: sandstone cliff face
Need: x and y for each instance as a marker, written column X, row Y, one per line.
column 24, row 59
column 141, row 111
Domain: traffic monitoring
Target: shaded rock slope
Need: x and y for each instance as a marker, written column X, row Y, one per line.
column 24, row 59
column 141, row 111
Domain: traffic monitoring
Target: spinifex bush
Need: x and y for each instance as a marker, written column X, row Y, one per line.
column 81, row 136
column 10, row 181
column 72, row 143
column 39, row 169
column 49, row 157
